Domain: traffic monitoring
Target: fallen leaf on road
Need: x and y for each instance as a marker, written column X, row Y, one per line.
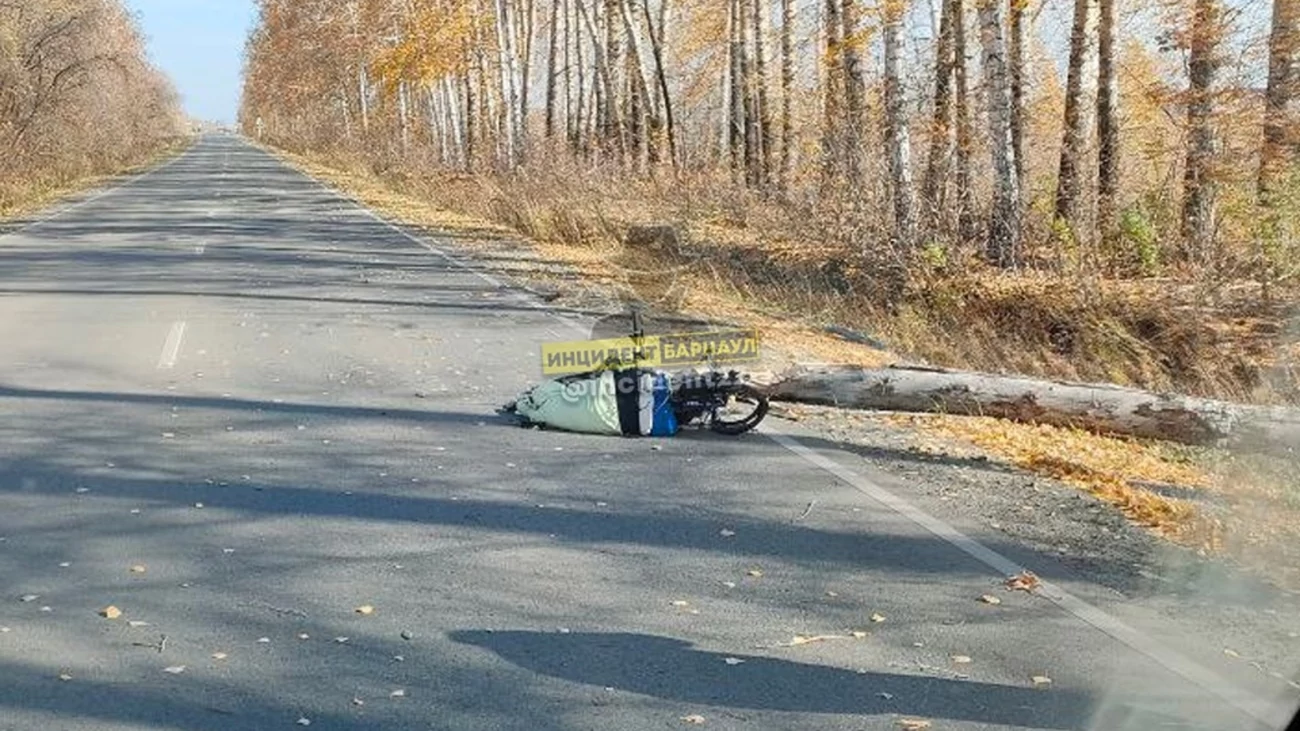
column 913, row 724
column 729, row 584
column 732, row 660
column 110, row 612
column 756, row 573
column 399, row 693
column 407, row 635
column 1041, row 680
column 877, row 618
column 886, row 696
column 694, row 718
column 807, row 640
column 358, row 702
column 365, row 609
column 65, row 677
column 858, row 634
column 219, row 656
column 304, row 721
column 174, row 669
column 990, row 599
column 1023, row 581
column 1231, row 653
column 961, row 659
column 138, row 569
column 832, row 594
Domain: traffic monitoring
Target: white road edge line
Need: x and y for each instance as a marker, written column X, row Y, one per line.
column 120, row 185
column 1260, row 709
column 172, row 346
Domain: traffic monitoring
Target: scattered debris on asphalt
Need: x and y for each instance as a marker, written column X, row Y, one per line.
column 1026, row 581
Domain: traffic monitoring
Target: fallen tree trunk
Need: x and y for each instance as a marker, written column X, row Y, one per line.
column 1102, row 408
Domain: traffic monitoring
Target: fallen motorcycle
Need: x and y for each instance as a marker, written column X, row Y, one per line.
column 625, row 399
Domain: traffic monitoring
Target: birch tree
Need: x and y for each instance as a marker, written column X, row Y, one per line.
column 897, row 140
column 1003, row 243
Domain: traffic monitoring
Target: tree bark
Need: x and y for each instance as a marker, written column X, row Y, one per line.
column 763, row 116
column 965, row 133
column 1003, row 247
column 1199, row 185
column 855, row 87
column 937, row 162
column 897, row 137
column 787, row 89
column 640, row 80
column 511, row 99
column 833, row 148
column 609, row 120
column 661, row 73
column 736, row 109
column 552, row 57
column 1107, row 120
column 1282, row 101
column 1067, row 179
column 1102, row 408
column 1016, row 70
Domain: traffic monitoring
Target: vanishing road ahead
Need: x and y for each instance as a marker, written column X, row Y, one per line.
column 239, row 407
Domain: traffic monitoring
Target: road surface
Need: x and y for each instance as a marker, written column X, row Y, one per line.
column 239, row 408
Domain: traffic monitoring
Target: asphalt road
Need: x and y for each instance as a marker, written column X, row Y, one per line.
column 282, row 410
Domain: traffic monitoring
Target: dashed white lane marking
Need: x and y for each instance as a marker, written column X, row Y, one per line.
column 1271, row 714
column 172, row 346
column 1260, row 709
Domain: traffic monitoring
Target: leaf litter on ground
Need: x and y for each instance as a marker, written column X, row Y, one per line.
column 798, row 640
column 1026, row 581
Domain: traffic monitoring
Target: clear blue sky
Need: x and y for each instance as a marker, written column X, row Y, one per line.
column 200, row 44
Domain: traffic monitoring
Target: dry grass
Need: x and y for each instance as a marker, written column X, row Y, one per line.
column 1246, row 509
column 812, row 264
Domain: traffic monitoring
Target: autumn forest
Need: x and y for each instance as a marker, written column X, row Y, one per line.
column 78, row 96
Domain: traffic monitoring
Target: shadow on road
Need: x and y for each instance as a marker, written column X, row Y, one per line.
column 672, row 669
